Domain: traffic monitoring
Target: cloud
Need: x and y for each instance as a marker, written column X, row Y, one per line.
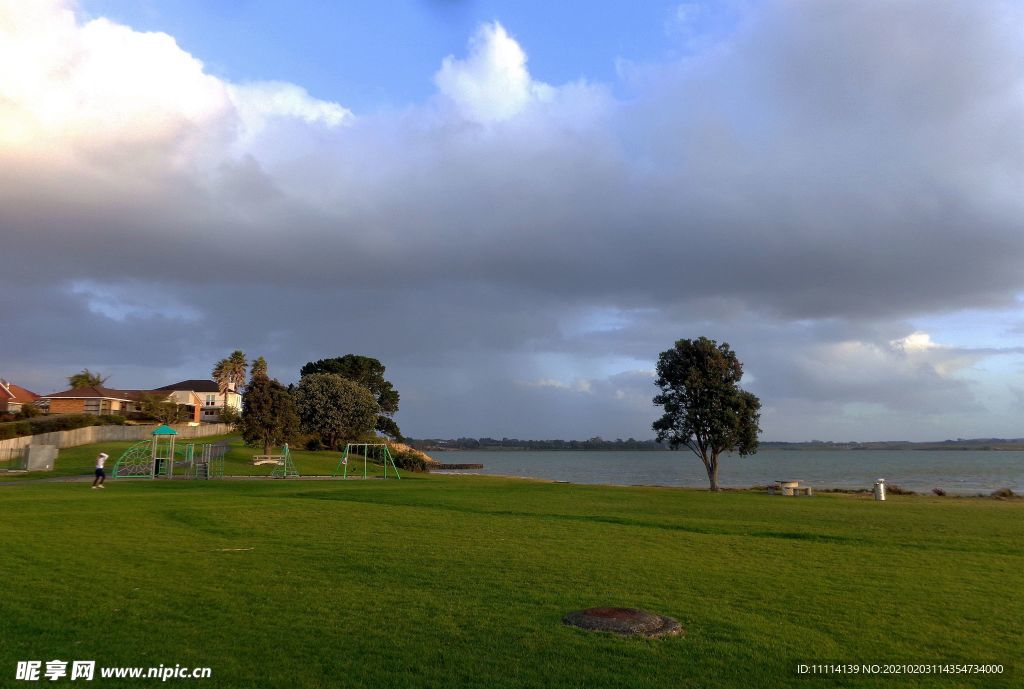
column 90, row 87
column 804, row 187
column 492, row 83
column 259, row 101
column 915, row 342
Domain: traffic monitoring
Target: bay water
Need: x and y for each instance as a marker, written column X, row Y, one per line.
column 964, row 472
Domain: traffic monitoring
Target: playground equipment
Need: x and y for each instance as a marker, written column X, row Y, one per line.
column 285, row 466
column 210, row 463
column 156, row 457
column 378, row 451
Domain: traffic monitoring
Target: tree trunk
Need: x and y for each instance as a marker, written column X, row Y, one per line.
column 712, row 466
column 266, row 447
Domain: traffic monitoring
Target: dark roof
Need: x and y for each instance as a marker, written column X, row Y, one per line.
column 197, row 385
column 139, row 395
column 97, row 391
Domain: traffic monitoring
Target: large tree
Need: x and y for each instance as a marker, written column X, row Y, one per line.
column 230, row 375
column 705, row 409
column 369, row 373
column 268, row 411
column 86, row 379
column 335, row 408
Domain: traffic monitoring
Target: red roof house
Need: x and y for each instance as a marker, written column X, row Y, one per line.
column 12, row 396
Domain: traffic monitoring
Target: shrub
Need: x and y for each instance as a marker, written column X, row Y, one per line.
column 409, row 461
column 1003, row 493
column 314, row 444
column 15, row 429
column 66, row 422
column 28, row 411
column 939, row 491
column 896, row 490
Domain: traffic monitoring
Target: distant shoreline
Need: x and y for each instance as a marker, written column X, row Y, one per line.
column 509, row 445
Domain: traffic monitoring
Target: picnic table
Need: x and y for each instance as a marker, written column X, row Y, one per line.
column 790, row 487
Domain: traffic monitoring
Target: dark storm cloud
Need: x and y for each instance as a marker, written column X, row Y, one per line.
column 800, row 190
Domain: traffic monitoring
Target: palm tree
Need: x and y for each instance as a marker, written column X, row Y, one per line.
column 86, row 379
column 230, row 374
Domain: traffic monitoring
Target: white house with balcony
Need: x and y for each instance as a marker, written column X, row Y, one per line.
column 211, row 399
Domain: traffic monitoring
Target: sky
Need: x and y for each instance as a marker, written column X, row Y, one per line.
column 516, row 206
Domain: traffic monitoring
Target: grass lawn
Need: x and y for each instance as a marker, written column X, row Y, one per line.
column 439, row 581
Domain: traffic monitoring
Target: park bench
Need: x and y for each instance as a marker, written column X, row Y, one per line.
column 267, row 459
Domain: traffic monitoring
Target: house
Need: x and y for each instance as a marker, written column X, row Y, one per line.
column 209, row 397
column 91, row 400
column 13, row 397
column 103, row 400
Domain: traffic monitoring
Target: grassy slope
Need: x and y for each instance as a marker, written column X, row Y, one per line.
column 461, row 581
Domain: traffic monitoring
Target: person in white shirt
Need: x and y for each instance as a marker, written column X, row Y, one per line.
column 100, row 476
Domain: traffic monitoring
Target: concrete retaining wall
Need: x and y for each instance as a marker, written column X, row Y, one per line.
column 102, row 434
column 41, row 457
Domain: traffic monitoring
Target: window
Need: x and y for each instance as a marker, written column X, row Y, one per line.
column 211, row 400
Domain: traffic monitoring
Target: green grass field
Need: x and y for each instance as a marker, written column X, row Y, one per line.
column 437, row 581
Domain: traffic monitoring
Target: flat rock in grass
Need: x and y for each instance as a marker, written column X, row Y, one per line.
column 624, row 621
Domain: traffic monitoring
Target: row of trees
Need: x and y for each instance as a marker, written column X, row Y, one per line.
column 336, row 401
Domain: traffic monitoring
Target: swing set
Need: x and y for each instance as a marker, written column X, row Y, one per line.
column 377, row 452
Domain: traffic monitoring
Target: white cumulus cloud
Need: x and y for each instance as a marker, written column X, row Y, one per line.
column 68, row 85
column 492, row 84
column 96, row 83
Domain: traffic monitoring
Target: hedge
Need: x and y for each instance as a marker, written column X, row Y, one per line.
column 49, row 424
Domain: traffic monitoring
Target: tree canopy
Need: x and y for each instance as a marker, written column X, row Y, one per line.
column 161, row 408
column 369, row 373
column 86, row 379
column 268, row 410
column 334, row 408
column 705, row 409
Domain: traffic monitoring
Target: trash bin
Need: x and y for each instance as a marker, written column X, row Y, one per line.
column 880, row 489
